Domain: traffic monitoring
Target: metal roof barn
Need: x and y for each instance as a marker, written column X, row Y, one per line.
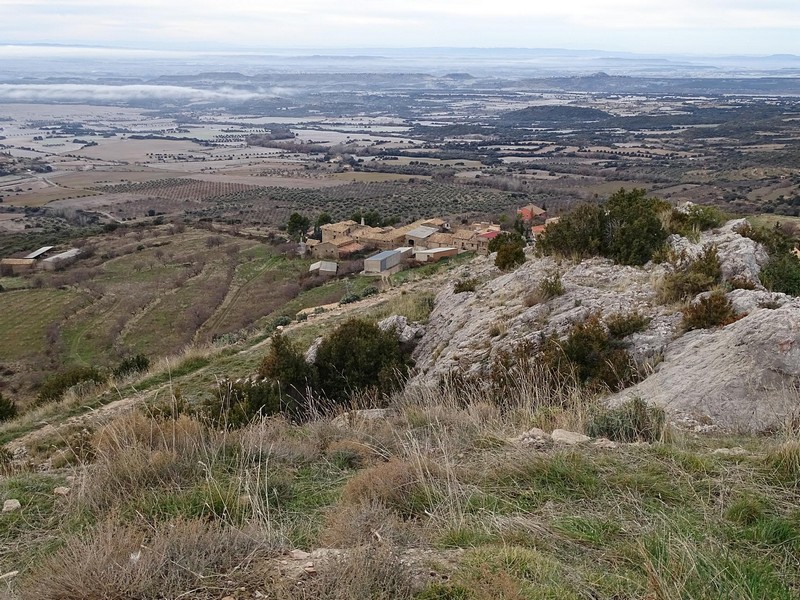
column 383, row 261
column 40, row 251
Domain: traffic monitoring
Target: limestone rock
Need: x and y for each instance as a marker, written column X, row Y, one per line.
column 743, row 375
column 747, row 301
column 740, row 257
column 570, row 438
column 299, row 555
column 533, row 438
column 11, row 505
column 61, row 491
column 311, row 353
column 406, row 332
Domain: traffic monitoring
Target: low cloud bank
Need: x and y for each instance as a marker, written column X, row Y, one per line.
column 128, row 93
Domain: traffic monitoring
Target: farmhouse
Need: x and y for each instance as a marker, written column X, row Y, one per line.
column 418, row 236
column 530, row 212
column 40, row 252
column 339, row 248
column 336, row 231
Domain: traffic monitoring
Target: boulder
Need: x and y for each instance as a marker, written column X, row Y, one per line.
column 533, row 438
column 61, row 491
column 311, row 353
column 741, row 376
column 570, row 438
column 11, row 505
column 406, row 332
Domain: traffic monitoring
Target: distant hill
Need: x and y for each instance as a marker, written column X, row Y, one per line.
column 552, row 114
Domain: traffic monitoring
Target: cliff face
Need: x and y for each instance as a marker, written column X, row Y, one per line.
column 744, row 375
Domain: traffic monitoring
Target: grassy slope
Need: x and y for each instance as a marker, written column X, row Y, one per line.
column 663, row 521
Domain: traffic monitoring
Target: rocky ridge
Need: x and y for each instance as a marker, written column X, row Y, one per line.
column 742, row 376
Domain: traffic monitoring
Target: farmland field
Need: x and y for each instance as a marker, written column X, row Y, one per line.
column 27, row 315
column 146, row 291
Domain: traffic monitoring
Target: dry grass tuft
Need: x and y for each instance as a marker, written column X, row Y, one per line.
column 368, row 522
column 123, row 561
column 397, row 484
column 368, row 573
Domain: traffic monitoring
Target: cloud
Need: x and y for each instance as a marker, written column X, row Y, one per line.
column 124, row 93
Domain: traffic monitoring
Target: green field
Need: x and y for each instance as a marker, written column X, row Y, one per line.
column 27, row 315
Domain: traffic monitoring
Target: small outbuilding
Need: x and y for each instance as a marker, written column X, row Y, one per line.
column 51, row 263
column 383, row 261
column 324, row 267
column 435, row 254
column 17, row 266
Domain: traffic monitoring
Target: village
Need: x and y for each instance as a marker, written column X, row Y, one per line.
column 385, row 250
column 423, row 241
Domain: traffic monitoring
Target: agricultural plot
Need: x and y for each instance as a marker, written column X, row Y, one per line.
column 404, row 200
column 173, row 188
column 27, row 316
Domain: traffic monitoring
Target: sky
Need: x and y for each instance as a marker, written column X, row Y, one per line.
column 717, row 27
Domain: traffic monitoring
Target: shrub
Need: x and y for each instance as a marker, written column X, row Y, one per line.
column 358, row 356
column 286, row 365
column 370, row 290
column 775, row 239
column 235, row 404
column 395, row 484
column 350, row 298
column 465, row 285
column 622, row 325
column 56, row 384
column 550, row 287
column 628, row 230
column 695, row 218
column 590, row 355
column 700, row 275
column 714, row 310
column 509, row 257
column 782, row 274
column 580, row 234
column 166, row 560
column 510, row 250
column 635, row 230
column 281, row 321
column 631, row 421
column 8, row 409
column 132, row 364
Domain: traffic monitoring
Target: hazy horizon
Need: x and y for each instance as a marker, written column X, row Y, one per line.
column 684, row 27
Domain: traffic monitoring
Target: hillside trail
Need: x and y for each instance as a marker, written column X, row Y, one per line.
column 128, row 400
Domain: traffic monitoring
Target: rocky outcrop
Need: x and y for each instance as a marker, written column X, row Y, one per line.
column 467, row 330
column 406, row 332
column 741, row 258
column 745, row 376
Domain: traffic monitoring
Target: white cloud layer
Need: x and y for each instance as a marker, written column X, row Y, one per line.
column 725, row 26
column 108, row 93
